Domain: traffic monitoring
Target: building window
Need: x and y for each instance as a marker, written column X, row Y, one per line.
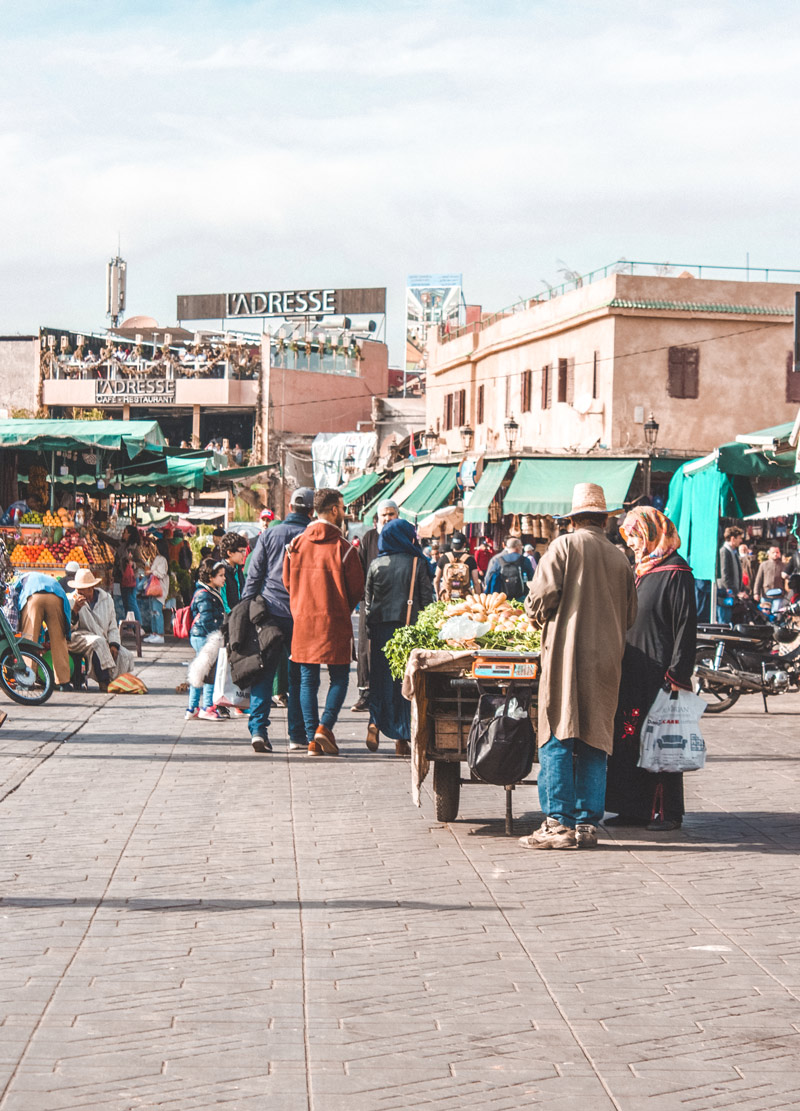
column 547, row 386
column 683, row 372
column 595, row 383
column 527, row 388
column 792, row 380
column 459, row 408
column 561, row 397
column 479, row 416
column 448, row 412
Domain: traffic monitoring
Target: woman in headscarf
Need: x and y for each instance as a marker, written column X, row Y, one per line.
column 386, row 602
column 659, row 653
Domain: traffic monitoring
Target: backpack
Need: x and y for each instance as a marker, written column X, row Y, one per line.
column 512, row 577
column 456, row 578
column 182, row 622
column 501, row 747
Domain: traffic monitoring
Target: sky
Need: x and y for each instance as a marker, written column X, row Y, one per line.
column 250, row 145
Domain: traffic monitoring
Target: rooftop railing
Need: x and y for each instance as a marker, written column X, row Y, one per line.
column 627, row 266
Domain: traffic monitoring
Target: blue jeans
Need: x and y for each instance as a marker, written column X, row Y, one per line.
column 207, row 689
column 130, row 602
column 309, row 690
column 156, row 617
column 572, row 782
column 261, row 692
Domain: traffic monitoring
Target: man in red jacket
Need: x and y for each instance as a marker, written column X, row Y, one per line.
column 325, row 580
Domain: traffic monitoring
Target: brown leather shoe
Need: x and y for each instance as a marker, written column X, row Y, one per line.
column 401, row 748
column 373, row 737
column 314, row 749
column 326, row 740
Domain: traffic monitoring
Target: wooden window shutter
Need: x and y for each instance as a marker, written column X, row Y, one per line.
column 547, row 386
column 527, row 382
column 562, row 381
column 792, row 380
column 448, row 412
column 683, row 372
column 479, row 413
column 462, row 408
column 570, row 398
column 595, row 381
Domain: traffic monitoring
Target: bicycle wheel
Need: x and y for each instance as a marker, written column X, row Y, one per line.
column 30, row 687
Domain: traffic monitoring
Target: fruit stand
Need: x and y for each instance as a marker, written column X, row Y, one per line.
column 46, row 542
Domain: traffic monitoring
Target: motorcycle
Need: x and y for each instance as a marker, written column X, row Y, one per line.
column 759, row 657
column 25, row 677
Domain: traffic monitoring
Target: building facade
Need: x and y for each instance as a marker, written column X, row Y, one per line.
column 582, row 372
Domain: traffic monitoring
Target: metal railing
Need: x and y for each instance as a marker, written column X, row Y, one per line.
column 632, row 267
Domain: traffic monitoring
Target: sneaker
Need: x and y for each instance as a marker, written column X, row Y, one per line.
column 586, row 835
column 190, row 714
column 235, row 712
column 154, row 639
column 280, row 701
column 298, row 746
column 550, row 835
column 260, row 743
column 361, row 706
column 222, row 711
column 326, row 740
column 209, row 715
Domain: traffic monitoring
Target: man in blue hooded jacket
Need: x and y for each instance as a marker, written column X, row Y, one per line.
column 510, row 571
column 265, row 577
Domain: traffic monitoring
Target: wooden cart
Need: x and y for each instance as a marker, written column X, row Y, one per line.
column 445, row 702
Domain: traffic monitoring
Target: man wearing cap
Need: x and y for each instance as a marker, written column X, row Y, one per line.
column 95, row 633
column 265, row 577
column 584, row 596
column 368, row 550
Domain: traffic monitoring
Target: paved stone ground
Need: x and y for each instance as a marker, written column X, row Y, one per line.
column 184, row 924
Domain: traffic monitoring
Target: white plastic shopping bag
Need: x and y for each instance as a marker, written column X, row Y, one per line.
column 671, row 740
column 226, row 693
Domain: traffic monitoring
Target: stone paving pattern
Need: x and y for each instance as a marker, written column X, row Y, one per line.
column 185, row 924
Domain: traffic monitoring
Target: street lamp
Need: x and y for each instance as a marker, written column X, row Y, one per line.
column 466, row 436
column 430, row 439
column 650, row 437
column 511, row 428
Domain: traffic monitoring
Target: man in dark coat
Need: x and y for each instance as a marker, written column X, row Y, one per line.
column 265, row 578
column 368, row 550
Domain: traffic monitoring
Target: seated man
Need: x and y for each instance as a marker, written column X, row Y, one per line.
column 95, row 633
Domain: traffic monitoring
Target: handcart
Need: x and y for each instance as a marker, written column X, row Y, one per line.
column 444, row 692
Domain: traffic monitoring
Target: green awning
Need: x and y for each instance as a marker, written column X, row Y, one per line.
column 434, row 490
column 476, row 508
column 545, row 485
column 239, row 474
column 388, row 490
column 739, row 459
column 187, row 473
column 72, row 435
column 360, row 486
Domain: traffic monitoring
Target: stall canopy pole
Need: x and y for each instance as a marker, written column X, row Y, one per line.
column 52, row 481
column 797, row 332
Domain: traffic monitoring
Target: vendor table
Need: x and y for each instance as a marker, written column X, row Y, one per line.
column 444, row 698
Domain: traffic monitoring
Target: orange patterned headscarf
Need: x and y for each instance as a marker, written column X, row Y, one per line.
column 651, row 535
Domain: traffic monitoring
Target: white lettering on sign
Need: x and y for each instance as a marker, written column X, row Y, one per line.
column 139, row 391
column 290, row 302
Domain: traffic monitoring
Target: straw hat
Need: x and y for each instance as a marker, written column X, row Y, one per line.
column 83, row 580
column 587, row 497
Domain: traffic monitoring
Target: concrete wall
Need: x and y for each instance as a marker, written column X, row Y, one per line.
column 19, row 373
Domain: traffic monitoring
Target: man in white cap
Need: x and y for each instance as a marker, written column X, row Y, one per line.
column 584, row 596
column 95, row 633
column 368, row 550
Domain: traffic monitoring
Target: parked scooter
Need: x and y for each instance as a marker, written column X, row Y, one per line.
column 24, row 675
column 761, row 656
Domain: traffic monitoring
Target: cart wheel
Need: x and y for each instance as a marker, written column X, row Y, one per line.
column 446, row 789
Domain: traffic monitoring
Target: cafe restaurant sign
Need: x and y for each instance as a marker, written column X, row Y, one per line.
column 135, row 391
column 285, row 303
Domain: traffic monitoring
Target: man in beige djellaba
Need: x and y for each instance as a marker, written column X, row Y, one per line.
column 584, row 596
column 95, row 633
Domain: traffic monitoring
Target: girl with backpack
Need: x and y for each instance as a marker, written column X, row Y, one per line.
column 208, row 613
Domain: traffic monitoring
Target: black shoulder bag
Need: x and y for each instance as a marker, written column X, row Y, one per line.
column 500, row 749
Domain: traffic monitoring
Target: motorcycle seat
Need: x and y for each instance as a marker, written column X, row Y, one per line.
column 755, row 632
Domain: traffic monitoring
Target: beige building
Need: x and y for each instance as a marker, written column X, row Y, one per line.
column 581, row 372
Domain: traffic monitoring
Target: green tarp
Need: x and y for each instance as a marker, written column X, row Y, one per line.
column 388, row 490
column 476, row 509
column 696, row 502
column 72, row 435
column 434, row 490
column 358, row 487
column 739, row 459
column 545, row 486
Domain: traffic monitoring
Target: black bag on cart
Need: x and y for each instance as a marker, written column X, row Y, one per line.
column 502, row 742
